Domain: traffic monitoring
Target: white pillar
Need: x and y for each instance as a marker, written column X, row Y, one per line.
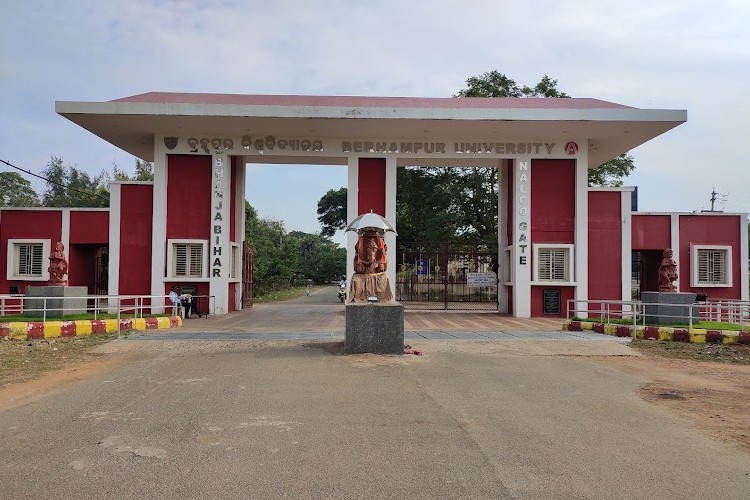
column 159, row 221
column 521, row 252
column 115, row 209
column 65, row 235
column 581, row 236
column 239, row 225
column 627, row 245
column 219, row 248
column 390, row 215
column 352, row 197
column 743, row 258
column 502, row 234
column 674, row 242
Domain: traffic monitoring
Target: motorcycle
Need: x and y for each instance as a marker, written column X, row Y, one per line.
column 342, row 293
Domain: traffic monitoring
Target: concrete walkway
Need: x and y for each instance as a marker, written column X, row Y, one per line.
column 322, row 316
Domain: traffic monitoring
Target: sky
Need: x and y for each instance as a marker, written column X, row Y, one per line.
column 668, row 54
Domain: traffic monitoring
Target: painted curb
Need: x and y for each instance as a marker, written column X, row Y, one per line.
column 53, row 329
column 691, row 335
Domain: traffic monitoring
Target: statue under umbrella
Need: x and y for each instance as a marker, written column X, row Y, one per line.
column 370, row 281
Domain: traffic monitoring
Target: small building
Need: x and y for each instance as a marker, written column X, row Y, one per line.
column 558, row 238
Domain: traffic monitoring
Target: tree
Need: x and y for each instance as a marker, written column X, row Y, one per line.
column 611, row 174
column 15, row 191
column 455, row 203
column 281, row 258
column 144, row 171
column 495, row 84
column 276, row 258
column 320, row 259
column 70, row 187
column 332, row 211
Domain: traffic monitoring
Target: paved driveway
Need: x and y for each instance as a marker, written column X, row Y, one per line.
column 294, row 419
column 322, row 315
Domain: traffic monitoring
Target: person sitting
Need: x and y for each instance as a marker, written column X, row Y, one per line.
column 174, row 298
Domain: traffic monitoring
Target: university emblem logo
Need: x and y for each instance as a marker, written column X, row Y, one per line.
column 170, row 142
column 571, row 148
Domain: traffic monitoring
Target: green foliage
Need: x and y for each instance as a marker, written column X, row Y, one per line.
column 447, row 204
column 283, row 259
column 320, row 259
column 332, row 211
column 610, row 174
column 70, row 187
column 436, row 204
column 496, row 84
column 460, row 204
column 144, row 171
column 15, row 191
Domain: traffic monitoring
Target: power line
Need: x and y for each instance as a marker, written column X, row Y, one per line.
column 53, row 182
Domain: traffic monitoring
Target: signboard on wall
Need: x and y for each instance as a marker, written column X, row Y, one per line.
column 481, row 280
column 551, row 301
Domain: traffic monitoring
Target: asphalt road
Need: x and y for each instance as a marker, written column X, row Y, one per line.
column 295, row 420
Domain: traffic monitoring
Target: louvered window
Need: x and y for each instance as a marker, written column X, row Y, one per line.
column 30, row 258
column 188, row 260
column 553, row 263
column 712, row 266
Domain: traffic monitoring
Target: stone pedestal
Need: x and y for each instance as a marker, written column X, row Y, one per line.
column 63, row 301
column 374, row 327
column 668, row 307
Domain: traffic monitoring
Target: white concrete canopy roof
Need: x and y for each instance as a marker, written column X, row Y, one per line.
column 132, row 123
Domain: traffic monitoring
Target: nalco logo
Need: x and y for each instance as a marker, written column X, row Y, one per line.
column 571, row 148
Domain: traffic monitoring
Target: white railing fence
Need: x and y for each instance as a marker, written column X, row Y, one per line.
column 119, row 306
column 638, row 313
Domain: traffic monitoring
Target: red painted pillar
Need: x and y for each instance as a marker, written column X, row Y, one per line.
column 371, row 186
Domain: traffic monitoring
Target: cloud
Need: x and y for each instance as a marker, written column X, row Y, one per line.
column 675, row 54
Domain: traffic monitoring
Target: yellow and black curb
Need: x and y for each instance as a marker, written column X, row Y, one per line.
column 52, row 329
column 692, row 335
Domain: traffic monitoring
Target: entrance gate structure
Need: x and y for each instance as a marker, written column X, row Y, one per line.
column 446, row 277
column 542, row 148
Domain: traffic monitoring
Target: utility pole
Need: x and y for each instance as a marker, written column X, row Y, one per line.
column 713, row 198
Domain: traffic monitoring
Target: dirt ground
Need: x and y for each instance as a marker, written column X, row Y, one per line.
column 713, row 395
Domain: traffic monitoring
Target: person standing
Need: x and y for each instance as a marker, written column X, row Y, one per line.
column 187, row 304
column 174, row 298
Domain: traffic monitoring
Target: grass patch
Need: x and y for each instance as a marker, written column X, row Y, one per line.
column 71, row 317
column 289, row 293
column 705, row 325
column 730, row 353
column 23, row 360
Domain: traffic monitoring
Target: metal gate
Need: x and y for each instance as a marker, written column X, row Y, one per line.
column 636, row 276
column 247, row 275
column 101, row 272
column 441, row 276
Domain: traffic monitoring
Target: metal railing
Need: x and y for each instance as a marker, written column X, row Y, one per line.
column 637, row 312
column 112, row 305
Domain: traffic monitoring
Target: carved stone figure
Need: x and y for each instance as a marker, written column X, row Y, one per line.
column 58, row 266
column 370, row 265
column 667, row 272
